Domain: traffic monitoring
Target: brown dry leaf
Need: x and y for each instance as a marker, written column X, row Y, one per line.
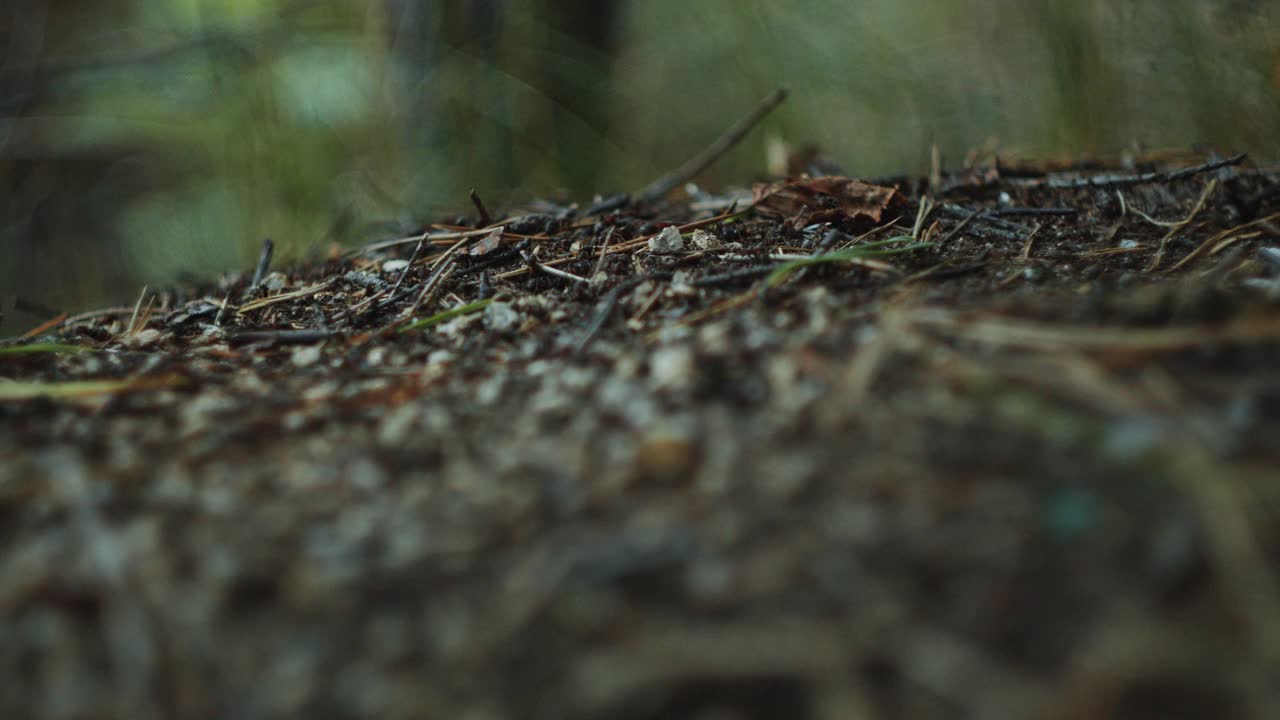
column 825, row 199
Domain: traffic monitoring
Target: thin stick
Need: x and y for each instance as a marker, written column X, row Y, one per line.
column 484, row 214
column 264, row 262
column 1106, row 181
column 100, row 313
column 533, row 263
column 1220, row 236
column 525, row 270
column 955, row 230
column 443, row 268
column 606, row 306
column 1204, row 197
column 657, row 189
column 604, row 249
column 45, row 326
column 284, row 297
column 412, row 259
column 428, row 236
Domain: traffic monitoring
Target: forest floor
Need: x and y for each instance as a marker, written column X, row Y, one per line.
column 1000, row 444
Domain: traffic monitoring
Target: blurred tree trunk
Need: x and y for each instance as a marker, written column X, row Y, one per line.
column 461, row 67
column 58, row 203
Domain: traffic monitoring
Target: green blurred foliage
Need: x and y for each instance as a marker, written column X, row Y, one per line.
column 145, row 140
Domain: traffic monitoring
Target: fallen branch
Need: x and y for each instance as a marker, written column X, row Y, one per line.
column 657, row 189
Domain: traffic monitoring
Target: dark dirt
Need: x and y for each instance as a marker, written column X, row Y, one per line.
column 1029, row 470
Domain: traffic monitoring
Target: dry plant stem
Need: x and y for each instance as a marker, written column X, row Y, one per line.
column 956, row 230
column 429, row 237
column 1173, row 230
column 604, row 250
column 1026, row 247
column 922, row 215
column 658, row 189
column 359, row 307
column 45, row 326
column 132, row 327
column 1228, row 242
column 222, row 308
column 1225, row 234
column 105, row 312
column 429, row 289
column 391, row 295
column 283, row 297
column 442, row 265
column 534, row 264
column 648, row 304
column 412, row 259
column 1107, row 252
column 525, row 270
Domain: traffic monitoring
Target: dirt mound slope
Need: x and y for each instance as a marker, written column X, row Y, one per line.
column 1003, row 444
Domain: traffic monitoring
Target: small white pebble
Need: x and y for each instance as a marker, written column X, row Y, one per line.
column 668, row 241
column 305, row 356
column 672, row 367
column 501, row 317
column 704, row 240
column 439, row 356
column 275, row 281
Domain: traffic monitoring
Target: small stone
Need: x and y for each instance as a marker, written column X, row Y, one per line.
column 142, row 338
column 667, row 242
column 704, row 240
column 501, row 317
column 359, row 277
column 672, row 367
column 306, row 356
column 275, row 281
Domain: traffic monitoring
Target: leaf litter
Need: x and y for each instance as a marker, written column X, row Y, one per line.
column 983, row 465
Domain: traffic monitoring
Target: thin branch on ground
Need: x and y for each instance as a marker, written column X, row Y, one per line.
column 659, row 188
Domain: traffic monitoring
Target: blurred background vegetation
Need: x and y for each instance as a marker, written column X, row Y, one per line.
column 150, row 141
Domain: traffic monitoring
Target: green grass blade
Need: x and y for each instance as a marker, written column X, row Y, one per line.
column 44, row 348
column 447, row 315
column 23, row 390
